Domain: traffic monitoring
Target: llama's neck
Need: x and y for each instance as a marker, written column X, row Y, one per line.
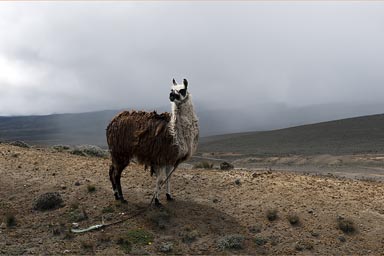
column 184, row 127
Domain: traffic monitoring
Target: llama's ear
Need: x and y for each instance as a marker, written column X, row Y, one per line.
column 185, row 82
column 174, row 82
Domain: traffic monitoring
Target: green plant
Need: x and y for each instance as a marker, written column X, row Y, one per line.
column 108, row 209
column 139, row 236
column 124, row 244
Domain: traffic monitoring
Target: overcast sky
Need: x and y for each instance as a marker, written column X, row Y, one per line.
column 58, row 57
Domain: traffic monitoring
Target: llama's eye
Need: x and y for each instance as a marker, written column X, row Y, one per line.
column 183, row 92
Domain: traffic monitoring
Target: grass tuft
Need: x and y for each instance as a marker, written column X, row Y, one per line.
column 235, row 241
column 10, row 220
column 271, row 214
column 346, row 225
column 203, row 165
column 294, row 219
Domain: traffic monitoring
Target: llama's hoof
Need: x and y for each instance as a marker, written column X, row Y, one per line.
column 169, row 197
column 157, row 203
column 123, row 201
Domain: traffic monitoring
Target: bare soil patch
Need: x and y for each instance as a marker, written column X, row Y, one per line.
column 210, row 206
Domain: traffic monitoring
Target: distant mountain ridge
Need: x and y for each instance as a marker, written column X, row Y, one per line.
column 89, row 128
column 346, row 136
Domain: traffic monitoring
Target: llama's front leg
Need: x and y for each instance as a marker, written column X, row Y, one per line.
column 159, row 180
column 167, row 172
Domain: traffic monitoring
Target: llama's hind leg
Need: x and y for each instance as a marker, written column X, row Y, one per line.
column 115, row 175
column 159, row 180
column 168, row 183
column 112, row 179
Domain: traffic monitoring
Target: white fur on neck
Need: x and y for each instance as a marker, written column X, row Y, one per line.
column 184, row 127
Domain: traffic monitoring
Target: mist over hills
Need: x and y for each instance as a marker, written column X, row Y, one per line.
column 89, row 128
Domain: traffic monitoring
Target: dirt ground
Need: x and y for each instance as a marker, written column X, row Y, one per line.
column 209, row 206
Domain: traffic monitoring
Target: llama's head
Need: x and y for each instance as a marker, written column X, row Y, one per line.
column 179, row 92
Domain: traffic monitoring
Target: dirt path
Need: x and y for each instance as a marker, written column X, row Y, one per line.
column 209, row 205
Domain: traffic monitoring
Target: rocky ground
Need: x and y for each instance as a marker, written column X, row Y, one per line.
column 215, row 212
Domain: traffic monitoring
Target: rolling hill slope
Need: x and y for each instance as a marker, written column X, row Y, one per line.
column 346, row 136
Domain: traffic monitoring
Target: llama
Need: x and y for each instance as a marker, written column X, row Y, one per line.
column 161, row 141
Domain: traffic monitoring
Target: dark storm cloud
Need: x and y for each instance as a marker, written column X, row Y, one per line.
column 83, row 56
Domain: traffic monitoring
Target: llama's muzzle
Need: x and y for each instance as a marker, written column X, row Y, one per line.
column 173, row 96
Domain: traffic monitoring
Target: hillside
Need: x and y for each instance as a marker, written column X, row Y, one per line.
column 346, row 136
column 210, row 206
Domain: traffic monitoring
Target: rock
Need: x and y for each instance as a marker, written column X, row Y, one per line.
column 77, row 183
column 48, row 201
column 226, row 166
column 3, row 225
column 166, row 247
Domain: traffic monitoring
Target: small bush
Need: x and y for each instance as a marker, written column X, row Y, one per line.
column 188, row 235
column 89, row 150
column 226, row 166
column 10, row 220
column 203, row 165
column 74, row 205
column 20, row 144
column 61, row 148
column 108, row 209
column 234, row 241
column 48, row 201
column 124, row 244
column 139, row 236
column 272, row 214
column 294, row 219
column 260, row 241
column 346, row 225
column 91, row 188
column 159, row 218
column 78, row 215
column 87, row 245
column 304, row 245
column 166, row 247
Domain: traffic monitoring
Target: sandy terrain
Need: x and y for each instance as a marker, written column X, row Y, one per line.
column 210, row 205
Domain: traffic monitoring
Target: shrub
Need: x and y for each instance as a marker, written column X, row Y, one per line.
column 304, row 245
column 48, row 201
column 293, row 218
column 260, row 241
column 272, row 214
column 89, row 150
column 19, row 143
column 10, row 220
column 226, row 166
column 139, row 236
column 203, row 165
column 61, row 148
column 188, row 235
column 346, row 225
column 124, row 244
column 235, row 241
column 91, row 188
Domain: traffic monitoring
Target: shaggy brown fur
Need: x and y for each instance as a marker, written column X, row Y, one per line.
column 141, row 135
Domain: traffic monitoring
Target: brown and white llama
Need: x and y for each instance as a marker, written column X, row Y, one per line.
column 161, row 141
